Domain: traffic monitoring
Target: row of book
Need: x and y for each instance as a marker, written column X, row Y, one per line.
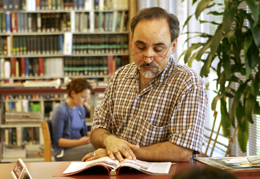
column 23, row 106
column 21, row 136
column 18, row 22
column 32, row 5
column 31, row 67
column 33, row 97
column 100, row 44
column 29, row 111
column 71, row 66
column 116, row 21
column 31, row 45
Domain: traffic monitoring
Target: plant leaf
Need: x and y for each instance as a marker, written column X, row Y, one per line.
column 240, row 114
column 229, row 14
column 252, row 55
column 226, row 65
column 190, row 50
column 256, row 108
column 247, row 43
column 205, row 68
column 236, row 100
column 247, row 67
column 187, row 21
column 215, row 100
column 225, row 121
column 254, row 9
column 192, row 58
column 242, row 136
column 250, row 103
column 216, row 39
column 255, row 30
column 255, row 85
column 201, row 7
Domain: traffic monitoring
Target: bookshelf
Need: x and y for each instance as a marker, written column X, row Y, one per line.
column 58, row 40
column 48, row 98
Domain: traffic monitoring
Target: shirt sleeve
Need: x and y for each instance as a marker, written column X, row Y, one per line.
column 103, row 115
column 187, row 121
column 58, row 122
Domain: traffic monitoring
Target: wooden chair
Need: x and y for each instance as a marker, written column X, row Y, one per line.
column 47, row 141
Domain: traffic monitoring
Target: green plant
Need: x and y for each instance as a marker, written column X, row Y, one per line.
column 236, row 46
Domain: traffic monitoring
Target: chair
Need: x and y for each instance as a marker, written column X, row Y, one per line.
column 47, row 140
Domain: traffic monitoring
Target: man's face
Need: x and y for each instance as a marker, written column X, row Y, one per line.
column 152, row 38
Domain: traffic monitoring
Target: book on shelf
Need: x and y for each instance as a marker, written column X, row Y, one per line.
column 23, row 117
column 14, row 153
column 50, row 84
column 232, row 163
column 24, row 135
column 113, row 166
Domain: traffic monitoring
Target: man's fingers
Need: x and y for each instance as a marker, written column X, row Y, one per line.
column 118, row 155
column 111, row 155
column 128, row 153
column 88, row 156
column 133, row 147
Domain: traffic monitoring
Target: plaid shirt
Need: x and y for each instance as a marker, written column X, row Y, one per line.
column 171, row 108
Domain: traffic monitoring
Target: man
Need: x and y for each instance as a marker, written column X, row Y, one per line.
column 153, row 109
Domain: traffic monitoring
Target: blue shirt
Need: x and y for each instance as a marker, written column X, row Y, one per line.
column 67, row 123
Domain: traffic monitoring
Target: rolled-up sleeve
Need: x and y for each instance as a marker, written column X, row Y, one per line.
column 187, row 122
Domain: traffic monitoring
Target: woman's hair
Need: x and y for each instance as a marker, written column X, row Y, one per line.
column 78, row 85
column 157, row 13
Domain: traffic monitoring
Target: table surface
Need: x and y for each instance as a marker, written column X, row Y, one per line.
column 45, row 170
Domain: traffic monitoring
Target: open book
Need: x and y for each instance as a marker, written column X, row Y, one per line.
column 232, row 163
column 113, row 166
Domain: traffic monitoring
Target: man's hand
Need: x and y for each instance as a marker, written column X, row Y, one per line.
column 101, row 152
column 119, row 148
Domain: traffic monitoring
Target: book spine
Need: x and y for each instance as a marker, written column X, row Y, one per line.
column 22, row 66
column 17, row 68
column 39, row 22
column 17, row 4
column 41, row 66
column 27, row 65
column 13, row 67
column 2, row 67
column 29, row 22
column 38, row 4
column 8, row 22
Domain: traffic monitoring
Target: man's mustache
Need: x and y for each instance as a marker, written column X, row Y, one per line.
column 148, row 64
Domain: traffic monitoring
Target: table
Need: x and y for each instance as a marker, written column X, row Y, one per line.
column 45, row 170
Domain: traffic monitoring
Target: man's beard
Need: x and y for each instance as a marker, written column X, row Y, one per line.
column 148, row 73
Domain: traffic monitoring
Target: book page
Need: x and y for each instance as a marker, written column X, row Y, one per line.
column 76, row 167
column 148, row 167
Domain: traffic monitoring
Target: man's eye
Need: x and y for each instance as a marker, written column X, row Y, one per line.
column 141, row 48
column 158, row 49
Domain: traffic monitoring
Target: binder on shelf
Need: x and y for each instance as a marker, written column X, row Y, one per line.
column 67, row 43
column 31, row 5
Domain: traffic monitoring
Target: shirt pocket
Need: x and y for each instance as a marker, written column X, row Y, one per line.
column 154, row 134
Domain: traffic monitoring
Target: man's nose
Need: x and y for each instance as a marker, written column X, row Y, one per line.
column 148, row 55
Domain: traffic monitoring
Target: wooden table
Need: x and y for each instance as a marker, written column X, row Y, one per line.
column 45, row 170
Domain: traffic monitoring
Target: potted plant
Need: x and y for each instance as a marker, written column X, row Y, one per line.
column 235, row 45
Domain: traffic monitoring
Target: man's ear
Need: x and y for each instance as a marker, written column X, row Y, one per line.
column 174, row 45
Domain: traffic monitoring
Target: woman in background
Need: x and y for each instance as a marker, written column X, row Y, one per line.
column 70, row 138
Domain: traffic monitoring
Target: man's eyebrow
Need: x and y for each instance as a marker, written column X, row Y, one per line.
column 156, row 44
